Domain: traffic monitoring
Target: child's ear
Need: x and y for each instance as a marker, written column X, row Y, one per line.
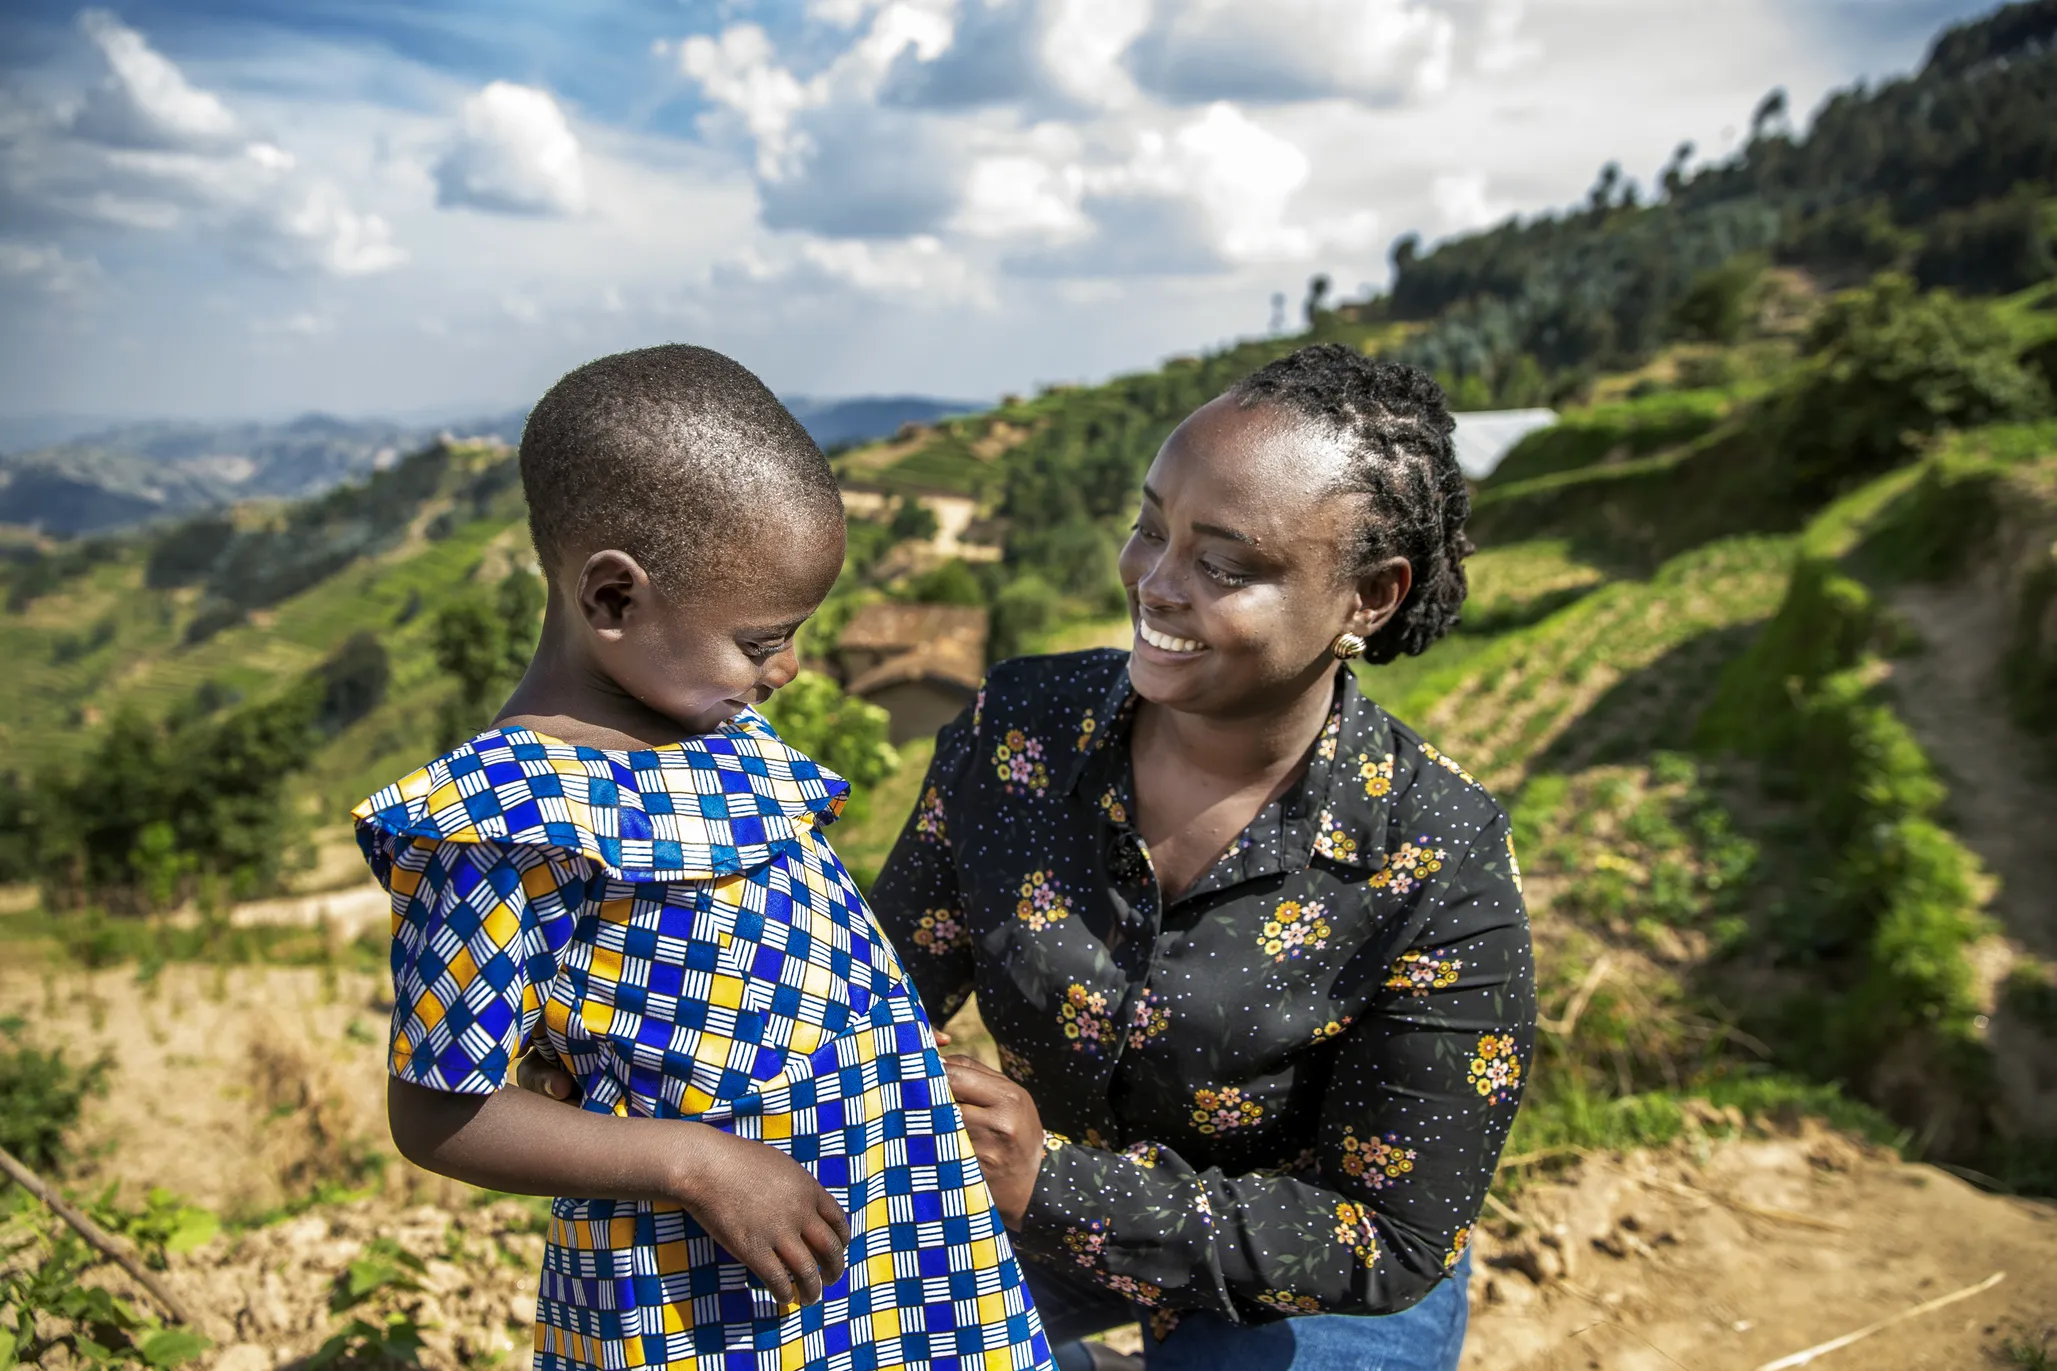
column 612, row 587
column 1380, row 593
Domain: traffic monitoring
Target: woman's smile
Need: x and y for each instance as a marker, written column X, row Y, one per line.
column 1166, row 643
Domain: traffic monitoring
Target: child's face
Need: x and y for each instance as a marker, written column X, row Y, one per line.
column 727, row 643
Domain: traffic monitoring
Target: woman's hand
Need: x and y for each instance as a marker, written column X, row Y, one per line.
column 1006, row 1131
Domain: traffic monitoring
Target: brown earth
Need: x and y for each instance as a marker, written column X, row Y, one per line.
column 243, row 1088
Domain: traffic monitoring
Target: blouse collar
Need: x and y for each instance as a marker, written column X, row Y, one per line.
column 710, row 805
column 1337, row 811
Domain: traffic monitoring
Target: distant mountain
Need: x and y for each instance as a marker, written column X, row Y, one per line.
column 865, row 417
column 96, row 482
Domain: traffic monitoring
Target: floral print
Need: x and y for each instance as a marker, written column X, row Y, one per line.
column 1418, row 973
column 1224, row 1110
column 1333, row 841
column 1356, row 1231
column 1286, row 1302
column 1294, row 928
column 1409, row 866
column 1086, row 1021
column 1458, row 1245
column 1042, row 903
column 1444, row 762
column 1230, row 1075
column 1377, row 1162
column 1112, row 807
column 1018, row 761
column 929, row 826
column 941, row 931
column 1148, row 1018
column 1495, row 1069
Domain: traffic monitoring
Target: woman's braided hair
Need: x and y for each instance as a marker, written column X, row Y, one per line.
column 1398, row 425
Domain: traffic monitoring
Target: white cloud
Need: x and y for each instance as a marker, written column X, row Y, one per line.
column 47, row 268
column 514, row 154
column 318, row 229
column 1380, row 52
column 1462, row 203
column 149, row 152
column 145, row 101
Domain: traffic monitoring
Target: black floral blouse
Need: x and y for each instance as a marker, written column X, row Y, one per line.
column 1285, row 1092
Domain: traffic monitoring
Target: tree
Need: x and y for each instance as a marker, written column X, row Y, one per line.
column 951, row 583
column 1317, row 297
column 912, row 521
column 1023, row 608
column 1890, row 365
column 484, row 644
column 845, row 734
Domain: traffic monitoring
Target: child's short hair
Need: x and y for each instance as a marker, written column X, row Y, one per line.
column 666, row 453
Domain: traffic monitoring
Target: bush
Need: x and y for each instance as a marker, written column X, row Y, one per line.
column 353, row 681
column 845, row 734
column 912, row 520
column 41, row 1094
column 187, row 554
column 1995, row 248
column 1025, row 606
column 952, row 583
column 1716, row 307
column 1890, row 366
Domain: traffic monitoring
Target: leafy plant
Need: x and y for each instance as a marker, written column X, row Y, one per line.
column 46, row 1304
column 41, row 1094
column 842, row 732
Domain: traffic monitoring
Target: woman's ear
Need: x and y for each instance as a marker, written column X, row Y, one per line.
column 1380, row 593
column 612, row 588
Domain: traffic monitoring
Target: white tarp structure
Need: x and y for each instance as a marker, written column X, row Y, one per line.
column 1484, row 436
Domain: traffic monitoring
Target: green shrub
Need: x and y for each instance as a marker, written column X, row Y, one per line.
column 41, row 1094
column 1887, row 367
column 843, row 733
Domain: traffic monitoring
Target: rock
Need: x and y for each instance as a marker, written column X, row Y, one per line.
column 243, row 1356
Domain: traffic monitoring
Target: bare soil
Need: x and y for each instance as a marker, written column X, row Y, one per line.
column 243, row 1088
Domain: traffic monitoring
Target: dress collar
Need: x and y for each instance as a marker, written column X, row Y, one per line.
column 710, row 805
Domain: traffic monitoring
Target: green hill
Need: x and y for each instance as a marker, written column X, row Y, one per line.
column 1692, row 663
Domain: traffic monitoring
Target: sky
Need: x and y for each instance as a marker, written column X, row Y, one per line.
column 231, row 208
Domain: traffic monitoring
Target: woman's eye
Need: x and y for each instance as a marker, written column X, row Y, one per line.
column 1223, row 576
column 1147, row 534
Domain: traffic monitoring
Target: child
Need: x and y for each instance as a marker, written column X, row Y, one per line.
column 769, row 1170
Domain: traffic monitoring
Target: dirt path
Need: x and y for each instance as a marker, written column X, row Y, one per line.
column 1949, row 695
column 2000, row 805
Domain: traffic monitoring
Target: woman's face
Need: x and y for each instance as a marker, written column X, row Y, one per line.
column 1233, row 571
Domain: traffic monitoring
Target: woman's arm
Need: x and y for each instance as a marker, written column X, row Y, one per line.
column 916, row 897
column 1422, row 1092
column 756, row 1201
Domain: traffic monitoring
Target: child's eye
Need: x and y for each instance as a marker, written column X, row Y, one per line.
column 765, row 651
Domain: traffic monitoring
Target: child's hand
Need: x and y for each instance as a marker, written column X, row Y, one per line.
column 546, row 1076
column 768, row 1211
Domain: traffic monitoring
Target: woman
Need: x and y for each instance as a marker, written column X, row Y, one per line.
column 1254, row 954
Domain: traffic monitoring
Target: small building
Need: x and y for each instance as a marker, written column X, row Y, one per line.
column 1484, row 436
column 922, row 664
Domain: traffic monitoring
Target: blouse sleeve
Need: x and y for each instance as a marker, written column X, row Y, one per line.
column 478, row 930
column 1422, row 1091
column 916, row 896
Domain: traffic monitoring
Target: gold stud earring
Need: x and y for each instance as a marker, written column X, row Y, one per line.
column 1346, row 646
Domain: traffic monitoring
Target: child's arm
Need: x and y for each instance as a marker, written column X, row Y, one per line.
column 761, row 1205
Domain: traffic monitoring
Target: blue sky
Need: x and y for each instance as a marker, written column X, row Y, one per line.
column 256, row 207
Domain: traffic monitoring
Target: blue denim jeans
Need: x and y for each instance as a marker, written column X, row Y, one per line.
column 1427, row 1337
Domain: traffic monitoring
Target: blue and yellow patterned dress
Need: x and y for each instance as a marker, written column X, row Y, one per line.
column 693, row 949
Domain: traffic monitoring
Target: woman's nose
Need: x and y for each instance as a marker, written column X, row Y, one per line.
column 1160, row 586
